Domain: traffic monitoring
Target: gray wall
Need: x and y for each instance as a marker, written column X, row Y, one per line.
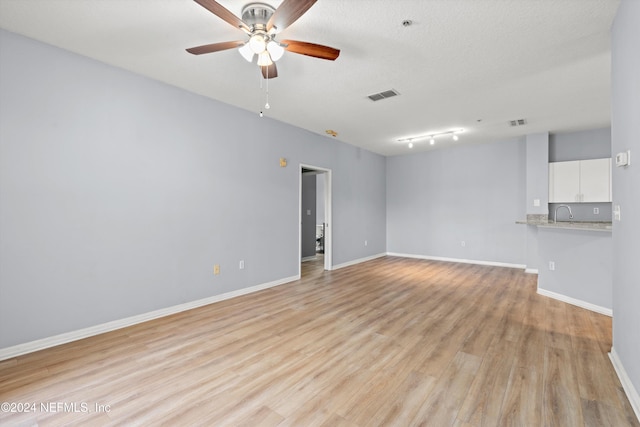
column 308, row 216
column 583, row 262
column 583, row 145
column 537, row 172
column 625, row 131
column 363, row 200
column 118, row 194
column 531, row 250
column 439, row 198
column 537, row 179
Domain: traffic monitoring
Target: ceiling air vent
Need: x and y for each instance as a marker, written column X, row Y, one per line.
column 518, row 122
column 383, row 95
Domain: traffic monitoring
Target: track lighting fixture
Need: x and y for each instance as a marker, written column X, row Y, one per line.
column 432, row 137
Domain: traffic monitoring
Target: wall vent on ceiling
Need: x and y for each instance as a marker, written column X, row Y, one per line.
column 518, row 122
column 383, row 95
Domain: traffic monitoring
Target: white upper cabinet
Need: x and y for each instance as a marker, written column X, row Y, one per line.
column 580, row 181
column 595, row 180
column 564, row 181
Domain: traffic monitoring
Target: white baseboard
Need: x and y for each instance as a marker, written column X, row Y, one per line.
column 531, row 270
column 463, row 261
column 308, row 258
column 576, row 302
column 357, row 261
column 627, row 385
column 41, row 344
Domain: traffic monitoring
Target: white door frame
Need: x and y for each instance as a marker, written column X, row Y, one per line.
column 327, row 216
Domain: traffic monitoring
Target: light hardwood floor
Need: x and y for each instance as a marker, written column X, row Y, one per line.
column 390, row 342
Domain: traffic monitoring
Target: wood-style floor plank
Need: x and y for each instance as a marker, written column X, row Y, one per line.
column 562, row 405
column 389, row 342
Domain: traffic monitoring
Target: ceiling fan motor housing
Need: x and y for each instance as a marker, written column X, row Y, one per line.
column 256, row 16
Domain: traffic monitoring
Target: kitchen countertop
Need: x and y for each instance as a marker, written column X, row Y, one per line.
column 542, row 221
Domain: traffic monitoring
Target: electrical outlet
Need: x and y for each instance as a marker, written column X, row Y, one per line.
column 365, row 243
column 552, row 265
column 596, row 211
column 536, row 202
column 463, row 243
column 241, row 264
column 216, row 269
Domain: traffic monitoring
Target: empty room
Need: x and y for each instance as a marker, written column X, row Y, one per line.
column 320, row 213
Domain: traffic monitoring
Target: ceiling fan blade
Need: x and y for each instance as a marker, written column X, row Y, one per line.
column 223, row 13
column 288, row 12
column 270, row 71
column 311, row 49
column 214, row 47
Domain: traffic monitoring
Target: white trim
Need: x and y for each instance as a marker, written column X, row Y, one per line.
column 627, row 385
column 531, row 270
column 358, row 261
column 41, row 344
column 576, row 302
column 463, row 261
column 327, row 245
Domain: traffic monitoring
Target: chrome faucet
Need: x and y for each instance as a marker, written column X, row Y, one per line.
column 555, row 214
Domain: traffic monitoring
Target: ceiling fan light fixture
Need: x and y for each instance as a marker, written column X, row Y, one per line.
column 264, row 60
column 261, row 22
column 257, row 44
column 275, row 50
column 246, row 52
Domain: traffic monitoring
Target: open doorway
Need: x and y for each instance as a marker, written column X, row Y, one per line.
column 315, row 218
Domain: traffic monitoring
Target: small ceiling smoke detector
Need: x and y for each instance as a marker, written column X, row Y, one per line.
column 383, row 95
column 517, row 122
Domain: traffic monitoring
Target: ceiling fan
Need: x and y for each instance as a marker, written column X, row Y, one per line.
column 261, row 23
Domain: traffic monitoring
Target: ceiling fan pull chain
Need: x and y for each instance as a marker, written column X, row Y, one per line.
column 267, row 106
column 260, row 93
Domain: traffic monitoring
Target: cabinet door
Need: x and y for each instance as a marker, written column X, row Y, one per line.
column 564, row 182
column 595, row 180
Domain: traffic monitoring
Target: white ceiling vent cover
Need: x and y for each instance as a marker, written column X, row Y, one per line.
column 383, row 95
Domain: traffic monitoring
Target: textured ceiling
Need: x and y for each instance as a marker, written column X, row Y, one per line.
column 472, row 64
